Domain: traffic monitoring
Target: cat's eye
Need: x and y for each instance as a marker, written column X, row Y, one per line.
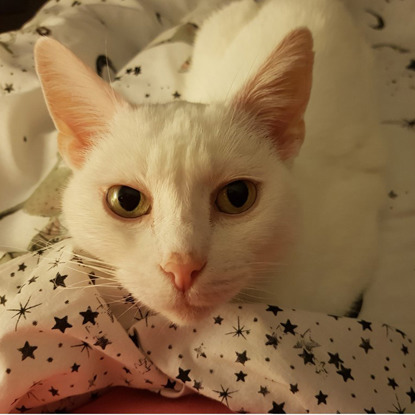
column 127, row 202
column 236, row 197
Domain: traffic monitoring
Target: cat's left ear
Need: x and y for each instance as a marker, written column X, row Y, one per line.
column 276, row 97
column 80, row 103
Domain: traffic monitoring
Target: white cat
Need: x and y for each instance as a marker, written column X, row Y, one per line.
column 193, row 203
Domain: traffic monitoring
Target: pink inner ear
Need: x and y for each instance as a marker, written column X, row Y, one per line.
column 277, row 96
column 79, row 101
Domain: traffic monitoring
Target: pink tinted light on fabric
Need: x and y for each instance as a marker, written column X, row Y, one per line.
column 124, row 400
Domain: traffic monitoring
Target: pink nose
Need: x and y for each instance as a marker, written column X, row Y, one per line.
column 183, row 269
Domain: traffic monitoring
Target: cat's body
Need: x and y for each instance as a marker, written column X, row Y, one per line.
column 338, row 170
column 308, row 239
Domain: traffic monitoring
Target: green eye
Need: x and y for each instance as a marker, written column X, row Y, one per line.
column 236, row 197
column 127, row 202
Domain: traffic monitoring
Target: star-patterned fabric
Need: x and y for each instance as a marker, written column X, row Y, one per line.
column 69, row 331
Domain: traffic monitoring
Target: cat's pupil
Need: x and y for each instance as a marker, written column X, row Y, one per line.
column 237, row 193
column 128, row 198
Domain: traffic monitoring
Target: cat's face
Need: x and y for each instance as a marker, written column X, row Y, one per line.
column 180, row 156
column 205, row 188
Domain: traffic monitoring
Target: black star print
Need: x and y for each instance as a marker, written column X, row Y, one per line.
column 308, row 343
column 43, row 31
column 91, row 381
column 21, row 312
column 294, row 388
column 126, row 370
column 27, row 351
column 22, row 267
column 241, row 376
column 89, row 316
column 173, row 326
column 92, row 277
column 218, row 320
column 170, row 384
column 366, row 325
column 321, row 398
column 335, row 359
column 239, row 331
column 84, row 346
column 58, row 281
column 9, row 88
column 134, row 338
column 224, row 394
column 289, row 327
column 271, row 340
column 22, row 409
column 411, row 394
column 365, row 345
column 102, row 342
column 176, row 95
column 199, row 351
column 370, row 411
column 308, row 357
column 75, row 367
column 61, row 324
column 346, row 373
column 32, row 280
column 3, row 300
column 404, row 348
column 401, row 333
column 102, row 62
column 137, row 70
column 56, row 262
column 54, row 391
column 392, row 383
column 273, row 309
column 183, row 375
column 277, row 408
column 197, row 385
column 242, row 357
column 397, row 408
column 263, row 390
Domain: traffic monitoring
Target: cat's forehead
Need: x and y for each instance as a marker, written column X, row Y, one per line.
column 182, row 142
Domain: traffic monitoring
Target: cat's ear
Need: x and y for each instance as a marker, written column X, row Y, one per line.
column 80, row 103
column 277, row 95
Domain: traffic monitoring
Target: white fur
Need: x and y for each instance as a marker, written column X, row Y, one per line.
column 338, row 172
column 324, row 208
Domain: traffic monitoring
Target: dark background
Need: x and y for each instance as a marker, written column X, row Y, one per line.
column 14, row 13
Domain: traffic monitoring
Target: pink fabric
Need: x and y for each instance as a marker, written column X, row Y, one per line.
column 128, row 401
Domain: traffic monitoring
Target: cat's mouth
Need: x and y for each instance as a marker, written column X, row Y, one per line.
column 185, row 314
column 190, row 308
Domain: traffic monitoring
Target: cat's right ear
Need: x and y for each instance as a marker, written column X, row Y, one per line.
column 80, row 103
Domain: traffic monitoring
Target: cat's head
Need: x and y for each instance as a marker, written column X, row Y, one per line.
column 191, row 203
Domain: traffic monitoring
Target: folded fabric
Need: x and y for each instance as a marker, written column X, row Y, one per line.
column 69, row 331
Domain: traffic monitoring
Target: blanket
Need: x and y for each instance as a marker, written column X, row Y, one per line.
column 67, row 333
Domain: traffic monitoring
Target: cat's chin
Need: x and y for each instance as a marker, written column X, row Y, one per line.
column 187, row 315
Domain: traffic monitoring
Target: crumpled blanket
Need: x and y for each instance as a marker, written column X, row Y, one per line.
column 64, row 335
column 68, row 331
